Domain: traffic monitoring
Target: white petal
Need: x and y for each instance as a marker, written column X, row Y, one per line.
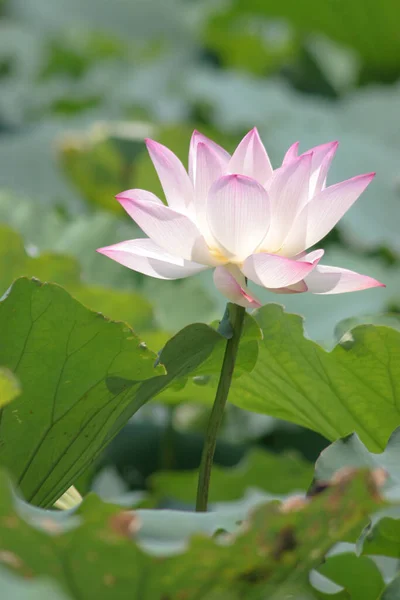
column 238, row 215
column 231, row 283
column 173, row 177
column 146, row 257
column 321, row 161
column 250, row 158
column 199, row 138
column 209, row 168
column 171, row 230
column 295, row 241
column 273, row 271
column 288, row 192
column 333, row 280
column 297, row 288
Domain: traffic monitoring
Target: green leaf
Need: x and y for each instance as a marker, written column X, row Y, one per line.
column 259, row 469
column 352, row 388
column 382, row 537
column 83, row 377
column 70, row 362
column 9, row 387
column 120, row 305
column 392, row 591
column 97, row 552
column 344, row 327
column 359, row 575
column 372, row 34
column 247, row 43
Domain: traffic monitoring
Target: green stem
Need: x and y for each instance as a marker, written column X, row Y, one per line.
column 236, row 317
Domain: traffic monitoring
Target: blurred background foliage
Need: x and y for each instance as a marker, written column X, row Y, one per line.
column 83, row 82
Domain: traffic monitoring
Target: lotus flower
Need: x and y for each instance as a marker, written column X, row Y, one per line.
column 237, row 215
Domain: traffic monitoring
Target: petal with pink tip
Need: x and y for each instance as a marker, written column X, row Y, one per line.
column 144, row 256
column 238, row 215
column 173, row 177
column 209, row 168
column 171, row 230
column 199, row 138
column 250, row 158
column 322, row 157
column 333, row 280
column 231, row 283
column 273, row 271
column 291, row 154
column 300, row 287
column 313, row 257
column 328, row 207
column 288, row 192
column 141, row 195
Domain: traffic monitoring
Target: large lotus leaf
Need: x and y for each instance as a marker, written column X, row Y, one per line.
column 82, row 377
column 66, row 358
column 93, row 553
column 353, row 388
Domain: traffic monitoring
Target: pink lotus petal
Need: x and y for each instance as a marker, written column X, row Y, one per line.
column 250, row 158
column 273, row 271
column 231, row 283
column 146, row 257
column 322, row 157
column 175, row 181
column 297, row 288
column 291, row 154
column 199, row 138
column 238, row 215
column 171, row 230
column 313, row 257
column 328, row 207
column 288, row 192
column 333, row 280
column 141, row 195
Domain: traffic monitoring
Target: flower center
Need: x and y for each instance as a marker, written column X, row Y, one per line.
column 217, row 254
